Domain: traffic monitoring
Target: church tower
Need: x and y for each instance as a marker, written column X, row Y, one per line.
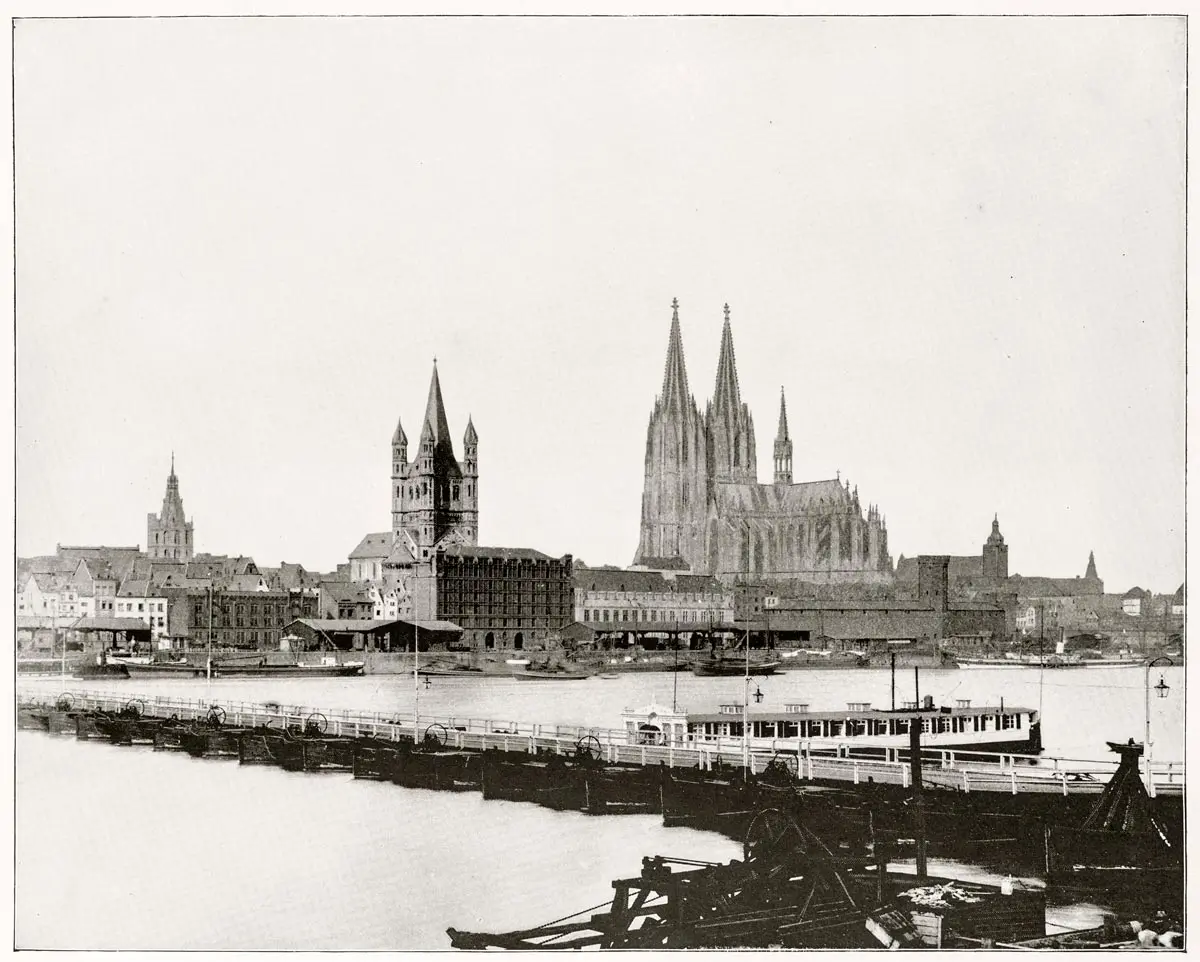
column 730, row 429
column 783, row 446
column 995, row 555
column 430, row 494
column 470, row 489
column 674, row 497
column 169, row 534
column 1090, row 574
column 399, row 467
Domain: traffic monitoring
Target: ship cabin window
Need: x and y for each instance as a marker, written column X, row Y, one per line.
column 899, row 726
column 765, row 729
column 1019, row 716
column 926, row 725
column 788, row 729
column 833, row 728
column 735, row 729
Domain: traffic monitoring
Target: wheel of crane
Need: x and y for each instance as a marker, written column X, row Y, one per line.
column 588, row 748
column 216, row 716
column 316, row 724
column 134, row 708
column 65, row 701
column 435, row 736
column 771, row 831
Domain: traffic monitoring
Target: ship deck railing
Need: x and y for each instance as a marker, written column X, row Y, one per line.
column 808, row 759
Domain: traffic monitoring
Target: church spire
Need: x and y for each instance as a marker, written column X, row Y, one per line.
column 730, row 429
column 1091, row 568
column 783, row 446
column 675, row 383
column 727, row 397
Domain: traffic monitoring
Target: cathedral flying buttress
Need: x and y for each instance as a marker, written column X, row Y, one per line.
column 702, row 501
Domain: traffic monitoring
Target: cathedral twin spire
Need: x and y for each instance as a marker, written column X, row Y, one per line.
column 783, row 446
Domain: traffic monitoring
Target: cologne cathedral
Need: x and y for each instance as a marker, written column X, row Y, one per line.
column 702, row 501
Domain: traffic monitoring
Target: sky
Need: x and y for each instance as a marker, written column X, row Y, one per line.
column 956, row 243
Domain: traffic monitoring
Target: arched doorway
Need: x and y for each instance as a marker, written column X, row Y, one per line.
column 518, row 641
column 489, row 641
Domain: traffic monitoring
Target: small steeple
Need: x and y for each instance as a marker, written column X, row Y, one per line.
column 399, row 438
column 995, row 537
column 783, row 445
column 470, row 437
column 675, row 383
column 1091, row 568
column 172, row 464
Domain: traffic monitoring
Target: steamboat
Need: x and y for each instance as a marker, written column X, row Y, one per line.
column 859, row 729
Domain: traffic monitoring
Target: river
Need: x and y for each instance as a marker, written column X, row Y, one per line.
column 126, row 848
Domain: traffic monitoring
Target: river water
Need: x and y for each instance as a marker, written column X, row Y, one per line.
column 127, row 848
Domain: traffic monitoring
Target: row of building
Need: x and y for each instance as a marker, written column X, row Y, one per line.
column 800, row 563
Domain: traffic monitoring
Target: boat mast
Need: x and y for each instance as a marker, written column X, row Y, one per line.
column 416, row 683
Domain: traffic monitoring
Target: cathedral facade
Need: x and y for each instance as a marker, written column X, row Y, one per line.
column 169, row 534
column 702, row 500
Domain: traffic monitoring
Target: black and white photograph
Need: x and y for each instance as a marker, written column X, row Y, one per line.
column 641, row 479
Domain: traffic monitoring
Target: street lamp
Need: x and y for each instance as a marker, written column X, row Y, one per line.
column 1162, row 688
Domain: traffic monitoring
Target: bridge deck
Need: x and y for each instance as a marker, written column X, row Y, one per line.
column 965, row 771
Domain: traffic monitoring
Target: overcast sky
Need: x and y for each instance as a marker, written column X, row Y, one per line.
column 956, row 243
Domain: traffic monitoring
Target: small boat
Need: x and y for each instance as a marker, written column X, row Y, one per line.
column 729, row 667
column 108, row 670
column 609, row 676
column 1052, row 661
column 142, row 666
column 293, row 670
column 446, row 671
column 540, row 673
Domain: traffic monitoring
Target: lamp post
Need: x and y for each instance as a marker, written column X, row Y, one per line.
column 208, row 664
column 54, row 636
column 1162, row 688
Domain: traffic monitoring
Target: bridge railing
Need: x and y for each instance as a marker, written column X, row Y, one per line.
column 807, row 758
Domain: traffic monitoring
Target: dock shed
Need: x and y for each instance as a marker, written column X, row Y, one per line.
column 92, row 634
column 362, row 634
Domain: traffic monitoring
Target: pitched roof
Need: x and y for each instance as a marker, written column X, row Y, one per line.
column 343, row 591
column 244, row 583
column 663, row 564
column 110, row 624
column 375, row 545
column 400, row 555
column 735, row 497
column 617, row 579
column 133, row 589
column 473, row 551
column 1035, row 587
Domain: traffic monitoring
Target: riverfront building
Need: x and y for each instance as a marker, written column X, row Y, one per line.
column 503, row 597
column 863, row 623
column 702, row 500
column 617, row 599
